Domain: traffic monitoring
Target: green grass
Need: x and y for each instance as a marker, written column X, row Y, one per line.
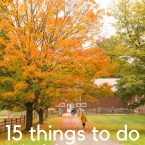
column 113, row 123
column 26, row 141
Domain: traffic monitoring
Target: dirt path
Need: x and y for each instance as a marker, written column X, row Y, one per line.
column 74, row 123
column 87, row 141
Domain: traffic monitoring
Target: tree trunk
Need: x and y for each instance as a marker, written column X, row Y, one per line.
column 40, row 113
column 46, row 113
column 29, row 115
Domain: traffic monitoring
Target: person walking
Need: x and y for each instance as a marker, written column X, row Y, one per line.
column 84, row 120
column 112, row 110
column 72, row 112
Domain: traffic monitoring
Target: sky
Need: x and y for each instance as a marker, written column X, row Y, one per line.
column 105, row 3
column 108, row 29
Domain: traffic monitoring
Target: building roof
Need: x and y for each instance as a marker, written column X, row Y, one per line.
column 110, row 81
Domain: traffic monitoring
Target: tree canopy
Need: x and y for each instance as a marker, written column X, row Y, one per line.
column 129, row 48
column 43, row 56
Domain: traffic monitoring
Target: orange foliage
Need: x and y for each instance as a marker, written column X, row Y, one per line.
column 44, row 50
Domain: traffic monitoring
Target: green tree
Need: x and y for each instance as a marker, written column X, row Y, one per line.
column 130, row 26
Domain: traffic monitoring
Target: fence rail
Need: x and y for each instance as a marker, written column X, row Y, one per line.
column 113, row 110
column 12, row 122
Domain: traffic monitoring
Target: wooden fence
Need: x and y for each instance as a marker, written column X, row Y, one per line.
column 113, row 110
column 140, row 110
column 100, row 110
column 12, row 122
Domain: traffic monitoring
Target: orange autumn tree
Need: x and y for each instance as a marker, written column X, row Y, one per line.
column 74, row 77
column 40, row 39
column 79, row 72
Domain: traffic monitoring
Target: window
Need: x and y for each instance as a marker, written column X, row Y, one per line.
column 81, row 104
column 84, row 104
column 78, row 104
column 62, row 105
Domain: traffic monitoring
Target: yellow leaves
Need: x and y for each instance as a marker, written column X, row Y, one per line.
column 139, row 5
column 35, row 54
column 104, row 90
column 106, row 86
column 5, row 2
column 71, row 43
column 14, row 54
column 43, row 84
column 95, row 62
column 52, row 92
column 34, row 73
column 29, row 71
column 3, row 64
column 2, row 42
column 46, row 48
column 91, row 15
column 20, row 86
column 101, row 73
column 69, row 81
column 7, row 94
column 39, row 74
column 31, row 97
column 4, row 79
column 13, row 59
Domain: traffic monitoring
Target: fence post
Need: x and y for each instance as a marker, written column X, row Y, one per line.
column 11, row 122
column 16, row 121
column 1, row 129
column 24, row 119
column 20, row 121
column 5, row 123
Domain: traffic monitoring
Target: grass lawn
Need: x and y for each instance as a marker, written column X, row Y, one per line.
column 113, row 123
column 26, row 141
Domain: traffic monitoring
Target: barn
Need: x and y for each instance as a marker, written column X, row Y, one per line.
column 115, row 103
column 103, row 105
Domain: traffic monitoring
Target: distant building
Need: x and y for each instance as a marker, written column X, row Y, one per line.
column 67, row 106
column 103, row 105
column 114, row 101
